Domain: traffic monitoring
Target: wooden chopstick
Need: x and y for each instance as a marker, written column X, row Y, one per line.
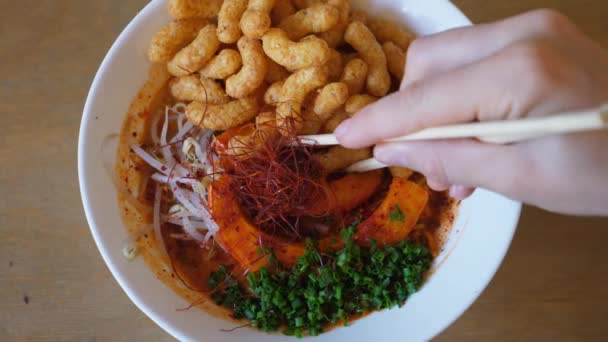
column 497, row 132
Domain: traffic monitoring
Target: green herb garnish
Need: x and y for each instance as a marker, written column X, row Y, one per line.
column 324, row 288
column 397, row 215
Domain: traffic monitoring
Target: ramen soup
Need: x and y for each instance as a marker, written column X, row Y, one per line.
column 241, row 217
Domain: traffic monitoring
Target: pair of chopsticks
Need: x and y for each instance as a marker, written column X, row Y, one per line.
column 498, row 132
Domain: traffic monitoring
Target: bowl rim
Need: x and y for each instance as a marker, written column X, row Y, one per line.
column 132, row 293
column 87, row 114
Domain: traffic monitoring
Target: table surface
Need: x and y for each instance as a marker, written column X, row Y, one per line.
column 53, row 282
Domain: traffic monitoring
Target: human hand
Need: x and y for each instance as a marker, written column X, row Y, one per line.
column 535, row 64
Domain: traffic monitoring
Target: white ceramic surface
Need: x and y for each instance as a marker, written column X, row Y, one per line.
column 480, row 238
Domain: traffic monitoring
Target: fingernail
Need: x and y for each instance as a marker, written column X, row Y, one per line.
column 460, row 192
column 388, row 155
column 437, row 186
column 342, row 129
column 454, row 191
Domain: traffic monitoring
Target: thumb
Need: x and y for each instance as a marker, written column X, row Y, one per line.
column 464, row 162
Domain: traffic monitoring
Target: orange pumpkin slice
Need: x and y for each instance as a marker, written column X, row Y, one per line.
column 243, row 240
column 396, row 216
column 348, row 192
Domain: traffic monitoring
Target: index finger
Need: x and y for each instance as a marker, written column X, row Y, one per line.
column 459, row 95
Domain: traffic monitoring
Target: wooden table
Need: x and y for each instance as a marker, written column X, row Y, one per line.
column 55, row 286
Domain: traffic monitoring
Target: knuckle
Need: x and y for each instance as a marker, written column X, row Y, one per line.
column 415, row 49
column 416, row 60
column 433, row 168
column 552, row 21
column 530, row 57
column 535, row 61
column 524, row 174
column 412, row 96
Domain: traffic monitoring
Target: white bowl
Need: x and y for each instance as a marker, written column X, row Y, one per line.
column 479, row 240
